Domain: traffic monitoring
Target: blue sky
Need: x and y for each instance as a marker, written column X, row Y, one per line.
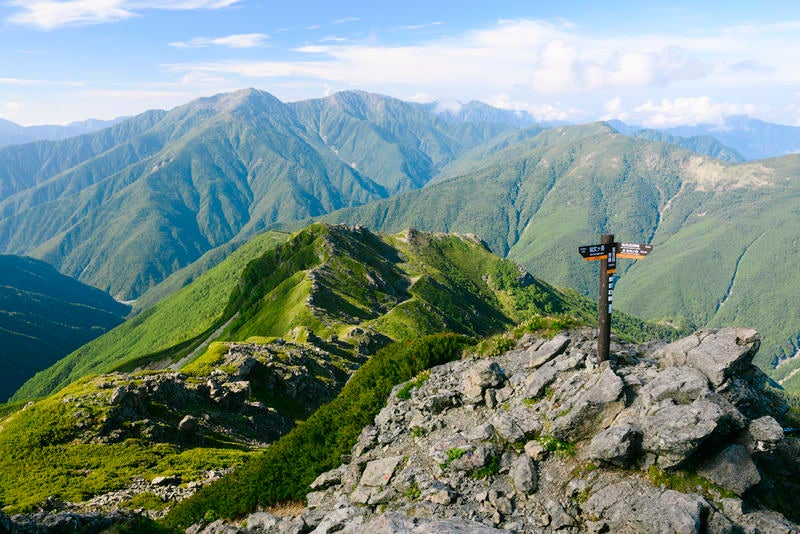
column 655, row 64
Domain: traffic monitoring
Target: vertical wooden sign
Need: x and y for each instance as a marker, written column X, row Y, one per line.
column 607, row 253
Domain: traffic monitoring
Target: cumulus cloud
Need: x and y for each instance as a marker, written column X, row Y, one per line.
column 688, row 111
column 556, row 112
column 554, row 70
column 422, row 98
column 345, row 20
column 51, row 14
column 614, row 110
column 239, row 40
column 564, row 67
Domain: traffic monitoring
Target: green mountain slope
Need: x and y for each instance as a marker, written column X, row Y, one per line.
column 173, row 327
column 125, row 207
column 43, row 316
column 291, row 320
column 724, row 233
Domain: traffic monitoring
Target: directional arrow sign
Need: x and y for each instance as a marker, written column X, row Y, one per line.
column 608, row 252
column 595, row 252
column 635, row 251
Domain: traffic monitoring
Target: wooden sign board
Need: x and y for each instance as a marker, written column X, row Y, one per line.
column 594, row 252
column 634, row 251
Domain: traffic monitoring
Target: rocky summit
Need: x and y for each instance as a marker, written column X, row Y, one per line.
column 682, row 437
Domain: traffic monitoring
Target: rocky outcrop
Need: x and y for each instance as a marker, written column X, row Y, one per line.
column 541, row 439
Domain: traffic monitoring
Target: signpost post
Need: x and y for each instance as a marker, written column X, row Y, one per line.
column 607, row 253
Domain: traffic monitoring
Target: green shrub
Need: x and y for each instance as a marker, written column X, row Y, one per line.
column 553, row 444
column 405, row 392
column 413, row 492
column 491, row 468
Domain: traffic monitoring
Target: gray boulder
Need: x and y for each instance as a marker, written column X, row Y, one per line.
column 398, row 523
column 262, row 522
column 587, row 404
column 617, row 445
column 630, row 506
column 682, row 384
column 523, row 473
column 673, row 432
column 732, row 468
column 379, row 472
column 483, row 374
column 764, row 433
column 545, row 352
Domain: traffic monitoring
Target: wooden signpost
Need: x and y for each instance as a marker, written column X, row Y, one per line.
column 607, row 253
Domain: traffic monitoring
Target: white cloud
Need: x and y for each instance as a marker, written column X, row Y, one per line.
column 541, row 112
column 32, row 82
column 688, row 111
column 422, row 98
column 448, row 105
column 239, row 40
column 345, row 20
column 614, row 110
column 510, row 57
column 792, row 114
column 13, row 107
column 50, row 14
column 565, row 67
column 419, row 26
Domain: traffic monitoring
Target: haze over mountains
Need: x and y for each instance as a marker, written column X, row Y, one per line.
column 14, row 134
column 124, row 207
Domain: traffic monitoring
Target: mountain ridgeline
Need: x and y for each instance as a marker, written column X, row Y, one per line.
column 327, row 280
column 14, row 134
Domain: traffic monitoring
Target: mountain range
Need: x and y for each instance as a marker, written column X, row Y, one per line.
column 125, row 207
column 752, row 138
column 272, row 321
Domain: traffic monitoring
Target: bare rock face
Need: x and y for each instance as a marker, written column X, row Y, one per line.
column 719, row 354
column 541, row 439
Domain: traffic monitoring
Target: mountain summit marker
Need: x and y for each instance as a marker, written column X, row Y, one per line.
column 607, row 253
